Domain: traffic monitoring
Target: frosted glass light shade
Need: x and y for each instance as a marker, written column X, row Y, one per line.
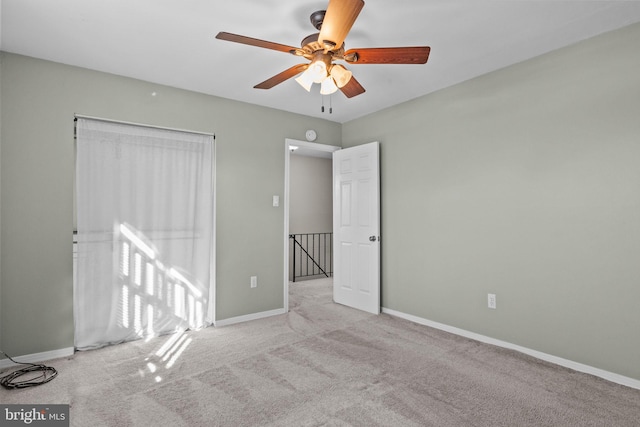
column 328, row 86
column 341, row 75
column 318, row 70
column 305, row 80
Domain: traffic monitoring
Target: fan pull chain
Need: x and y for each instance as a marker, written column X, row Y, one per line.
column 330, row 104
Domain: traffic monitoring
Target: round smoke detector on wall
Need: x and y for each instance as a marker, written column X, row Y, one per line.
column 311, row 135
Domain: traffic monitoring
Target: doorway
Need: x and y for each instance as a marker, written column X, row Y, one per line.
column 310, row 151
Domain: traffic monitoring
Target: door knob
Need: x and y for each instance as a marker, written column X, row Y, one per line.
column 372, row 238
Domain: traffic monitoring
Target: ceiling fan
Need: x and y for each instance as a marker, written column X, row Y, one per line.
column 323, row 48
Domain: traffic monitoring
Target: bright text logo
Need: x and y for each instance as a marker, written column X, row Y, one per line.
column 36, row 415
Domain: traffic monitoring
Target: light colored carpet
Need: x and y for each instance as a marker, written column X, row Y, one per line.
column 325, row 365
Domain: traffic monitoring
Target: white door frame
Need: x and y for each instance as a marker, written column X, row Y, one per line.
column 287, row 153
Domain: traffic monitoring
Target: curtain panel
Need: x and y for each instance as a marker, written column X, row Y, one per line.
column 145, row 232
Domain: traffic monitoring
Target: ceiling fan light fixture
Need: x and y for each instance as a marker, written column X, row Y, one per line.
column 341, row 75
column 328, row 86
column 318, row 70
column 305, row 80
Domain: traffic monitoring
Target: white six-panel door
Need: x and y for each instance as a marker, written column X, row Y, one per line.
column 356, row 227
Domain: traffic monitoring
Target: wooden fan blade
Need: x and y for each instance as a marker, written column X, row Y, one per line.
column 338, row 20
column 254, row 42
column 279, row 78
column 353, row 88
column 388, row 55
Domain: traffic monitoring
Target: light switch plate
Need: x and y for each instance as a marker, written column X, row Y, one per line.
column 491, row 301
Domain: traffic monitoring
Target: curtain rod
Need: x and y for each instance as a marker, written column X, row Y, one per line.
column 121, row 122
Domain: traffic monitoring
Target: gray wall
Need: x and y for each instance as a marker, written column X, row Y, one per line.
column 39, row 99
column 524, row 183
column 310, row 195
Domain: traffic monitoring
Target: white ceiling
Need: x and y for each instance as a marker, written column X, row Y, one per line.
column 172, row 42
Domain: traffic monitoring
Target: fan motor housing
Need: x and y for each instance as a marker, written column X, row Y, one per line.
column 311, row 42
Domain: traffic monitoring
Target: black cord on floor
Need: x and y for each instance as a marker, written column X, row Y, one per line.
column 43, row 375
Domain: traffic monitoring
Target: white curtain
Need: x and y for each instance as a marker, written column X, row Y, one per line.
column 145, row 227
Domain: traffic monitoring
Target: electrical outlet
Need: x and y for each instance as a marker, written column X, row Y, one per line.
column 491, row 300
column 254, row 281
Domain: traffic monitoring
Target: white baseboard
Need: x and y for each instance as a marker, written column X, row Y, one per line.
column 66, row 352
column 248, row 317
column 37, row 357
column 609, row 376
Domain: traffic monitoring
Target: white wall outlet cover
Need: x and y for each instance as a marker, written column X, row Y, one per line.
column 276, row 201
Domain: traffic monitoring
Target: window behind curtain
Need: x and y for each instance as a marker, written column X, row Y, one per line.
column 145, row 227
